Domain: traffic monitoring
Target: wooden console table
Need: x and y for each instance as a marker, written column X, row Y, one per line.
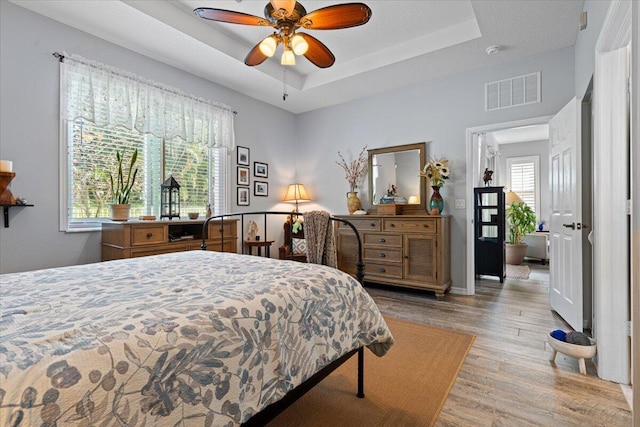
column 133, row 238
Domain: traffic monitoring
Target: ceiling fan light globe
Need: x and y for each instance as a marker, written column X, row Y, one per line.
column 287, row 5
column 268, row 46
column 299, row 45
column 288, row 58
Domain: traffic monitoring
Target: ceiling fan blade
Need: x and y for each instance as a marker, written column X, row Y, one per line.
column 335, row 17
column 229, row 16
column 255, row 56
column 318, row 53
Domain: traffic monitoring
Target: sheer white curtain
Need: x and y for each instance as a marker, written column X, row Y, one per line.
column 110, row 97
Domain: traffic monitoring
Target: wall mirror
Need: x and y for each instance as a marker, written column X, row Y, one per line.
column 399, row 166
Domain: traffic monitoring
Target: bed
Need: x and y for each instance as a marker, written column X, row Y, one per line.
column 189, row 338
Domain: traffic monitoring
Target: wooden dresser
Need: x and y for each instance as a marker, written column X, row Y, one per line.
column 402, row 250
column 131, row 239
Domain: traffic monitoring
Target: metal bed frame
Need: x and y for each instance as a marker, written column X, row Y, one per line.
column 273, row 410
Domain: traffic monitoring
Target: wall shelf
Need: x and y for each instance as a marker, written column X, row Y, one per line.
column 5, row 209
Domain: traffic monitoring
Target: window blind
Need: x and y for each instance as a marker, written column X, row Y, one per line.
column 523, row 180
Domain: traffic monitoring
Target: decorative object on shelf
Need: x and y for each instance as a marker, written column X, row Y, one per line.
column 296, row 193
column 487, row 178
column 6, row 166
column 353, row 173
column 252, row 231
column 170, row 198
column 353, row 202
column 437, row 171
column 260, row 170
column 243, row 156
column 122, row 186
column 521, row 220
column 193, row 215
column 541, row 225
column 6, row 197
column 209, row 210
column 436, row 201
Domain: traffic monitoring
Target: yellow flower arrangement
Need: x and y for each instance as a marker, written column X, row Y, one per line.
column 436, row 170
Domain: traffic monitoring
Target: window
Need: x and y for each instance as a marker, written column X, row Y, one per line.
column 104, row 110
column 524, row 180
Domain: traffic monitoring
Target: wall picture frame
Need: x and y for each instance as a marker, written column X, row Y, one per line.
column 260, row 170
column 243, row 175
column 243, row 156
column 243, row 196
column 260, row 188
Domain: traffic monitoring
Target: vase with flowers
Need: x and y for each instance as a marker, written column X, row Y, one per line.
column 436, row 171
column 353, row 172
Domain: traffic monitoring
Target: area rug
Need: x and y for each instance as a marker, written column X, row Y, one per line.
column 518, row 271
column 406, row 387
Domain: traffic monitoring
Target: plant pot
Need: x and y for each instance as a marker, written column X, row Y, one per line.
column 120, row 212
column 514, row 253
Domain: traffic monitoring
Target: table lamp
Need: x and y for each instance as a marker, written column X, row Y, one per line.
column 296, row 193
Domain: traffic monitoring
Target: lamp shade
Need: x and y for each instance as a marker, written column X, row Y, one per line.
column 287, row 5
column 512, row 198
column 288, row 58
column 296, row 193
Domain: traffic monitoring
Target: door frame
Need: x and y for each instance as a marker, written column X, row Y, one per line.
column 472, row 179
column 611, row 281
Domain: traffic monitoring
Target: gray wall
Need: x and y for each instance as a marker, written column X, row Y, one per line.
column 29, row 129
column 438, row 112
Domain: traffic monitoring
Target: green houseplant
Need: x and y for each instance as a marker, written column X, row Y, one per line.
column 521, row 220
column 121, row 186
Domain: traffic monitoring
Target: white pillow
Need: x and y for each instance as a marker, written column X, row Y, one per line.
column 299, row 246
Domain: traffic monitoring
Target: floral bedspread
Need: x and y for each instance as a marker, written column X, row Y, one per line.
column 191, row 338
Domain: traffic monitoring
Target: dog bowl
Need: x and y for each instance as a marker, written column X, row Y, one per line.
column 193, row 215
column 580, row 352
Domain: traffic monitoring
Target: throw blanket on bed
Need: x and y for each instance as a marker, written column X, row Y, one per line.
column 190, row 338
column 321, row 245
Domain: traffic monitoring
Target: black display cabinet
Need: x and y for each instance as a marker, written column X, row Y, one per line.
column 489, row 234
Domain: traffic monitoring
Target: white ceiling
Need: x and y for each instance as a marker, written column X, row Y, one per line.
column 405, row 42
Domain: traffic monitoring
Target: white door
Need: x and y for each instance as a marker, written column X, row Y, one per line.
column 565, row 235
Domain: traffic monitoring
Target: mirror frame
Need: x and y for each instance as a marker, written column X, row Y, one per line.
column 422, row 149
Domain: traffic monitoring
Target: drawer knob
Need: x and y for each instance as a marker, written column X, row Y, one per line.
column 149, row 235
column 373, row 224
column 406, row 257
column 425, row 225
column 381, row 255
column 381, row 270
column 381, row 240
column 392, row 225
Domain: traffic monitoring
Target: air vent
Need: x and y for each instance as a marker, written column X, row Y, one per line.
column 512, row 92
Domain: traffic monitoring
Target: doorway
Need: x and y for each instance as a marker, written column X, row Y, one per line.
column 474, row 177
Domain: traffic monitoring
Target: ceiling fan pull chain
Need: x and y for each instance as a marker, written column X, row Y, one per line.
column 284, row 83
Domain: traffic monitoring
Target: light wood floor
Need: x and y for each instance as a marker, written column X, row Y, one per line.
column 507, row 378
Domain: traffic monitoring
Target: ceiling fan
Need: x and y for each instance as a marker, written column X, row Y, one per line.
column 287, row 16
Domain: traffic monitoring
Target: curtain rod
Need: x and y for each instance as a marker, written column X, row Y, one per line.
column 61, row 57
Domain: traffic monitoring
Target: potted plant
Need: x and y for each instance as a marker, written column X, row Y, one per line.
column 121, row 186
column 521, row 220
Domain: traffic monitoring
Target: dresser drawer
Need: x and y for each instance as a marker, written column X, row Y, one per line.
column 215, row 230
column 372, row 269
column 383, row 254
column 151, row 235
column 380, row 239
column 427, row 225
column 364, row 224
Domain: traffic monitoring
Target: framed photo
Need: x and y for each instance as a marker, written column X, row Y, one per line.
column 243, row 175
column 260, row 170
column 243, row 156
column 260, row 188
column 243, row 196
